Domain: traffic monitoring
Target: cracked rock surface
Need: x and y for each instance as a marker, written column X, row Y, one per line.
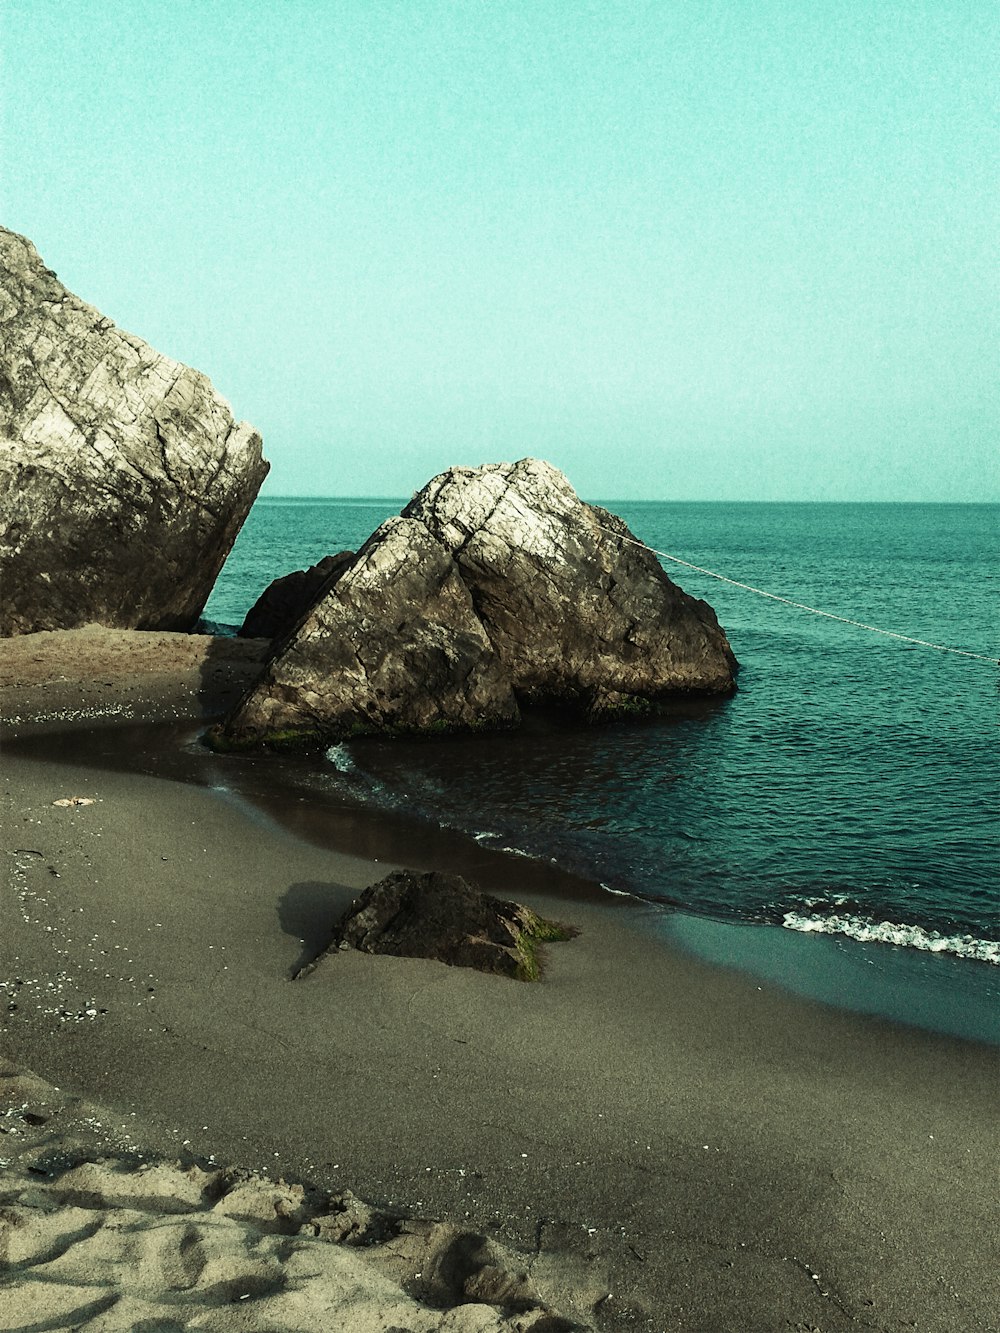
column 124, row 477
column 497, row 586
column 576, row 614
column 393, row 645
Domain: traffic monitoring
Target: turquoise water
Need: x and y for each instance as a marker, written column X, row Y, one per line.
column 849, row 788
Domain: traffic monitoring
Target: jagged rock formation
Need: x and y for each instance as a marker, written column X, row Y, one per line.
column 124, row 478
column 441, row 916
column 393, row 645
column 286, row 600
column 577, row 615
column 498, row 585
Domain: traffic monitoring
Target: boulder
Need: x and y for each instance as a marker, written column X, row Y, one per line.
column 124, row 478
column 441, row 916
column 496, row 586
column 578, row 611
column 285, row 601
column 393, row 645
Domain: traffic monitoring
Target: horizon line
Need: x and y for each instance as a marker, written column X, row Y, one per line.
column 603, row 501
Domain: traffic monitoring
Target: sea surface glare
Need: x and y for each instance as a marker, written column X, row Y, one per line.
column 850, row 787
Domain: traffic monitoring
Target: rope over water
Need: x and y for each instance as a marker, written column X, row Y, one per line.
column 800, row 606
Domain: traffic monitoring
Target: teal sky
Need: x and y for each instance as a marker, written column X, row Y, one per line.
column 682, row 250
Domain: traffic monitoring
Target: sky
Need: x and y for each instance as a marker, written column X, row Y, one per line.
column 684, row 250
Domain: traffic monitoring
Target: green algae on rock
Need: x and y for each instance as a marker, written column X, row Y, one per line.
column 443, row 917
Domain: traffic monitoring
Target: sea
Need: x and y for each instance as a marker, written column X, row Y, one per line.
column 833, row 826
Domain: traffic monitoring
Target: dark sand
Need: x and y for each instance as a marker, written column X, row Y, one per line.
column 673, row 1145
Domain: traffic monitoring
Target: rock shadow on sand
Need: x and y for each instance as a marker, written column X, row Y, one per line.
column 229, row 668
column 308, row 912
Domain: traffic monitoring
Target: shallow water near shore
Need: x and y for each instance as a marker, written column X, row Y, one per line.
column 296, row 797
column 850, row 787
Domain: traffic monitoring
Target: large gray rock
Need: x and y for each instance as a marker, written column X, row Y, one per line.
column 393, row 645
column 124, row 478
column 497, row 585
column 579, row 613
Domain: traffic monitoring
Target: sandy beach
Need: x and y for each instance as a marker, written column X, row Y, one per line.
column 641, row 1140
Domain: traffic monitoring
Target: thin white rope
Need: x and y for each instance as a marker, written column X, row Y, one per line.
column 801, row 606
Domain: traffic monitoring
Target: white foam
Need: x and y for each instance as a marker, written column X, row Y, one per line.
column 618, row 893
column 891, row 932
column 494, row 842
column 73, row 714
column 339, row 756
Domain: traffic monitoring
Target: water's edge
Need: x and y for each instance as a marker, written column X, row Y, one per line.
column 936, row 991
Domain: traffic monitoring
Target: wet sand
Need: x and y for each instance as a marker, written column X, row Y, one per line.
column 654, row 1141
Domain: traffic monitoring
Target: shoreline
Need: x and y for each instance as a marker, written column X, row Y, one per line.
column 671, row 1143
column 156, row 727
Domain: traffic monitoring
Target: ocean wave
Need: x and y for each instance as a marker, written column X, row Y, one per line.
column 868, row 930
column 618, row 893
column 493, row 841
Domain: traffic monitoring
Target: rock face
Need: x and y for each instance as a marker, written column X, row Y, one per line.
column 577, row 615
column 496, row 586
column 124, row 478
column 441, row 916
column 393, row 645
column 286, row 600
